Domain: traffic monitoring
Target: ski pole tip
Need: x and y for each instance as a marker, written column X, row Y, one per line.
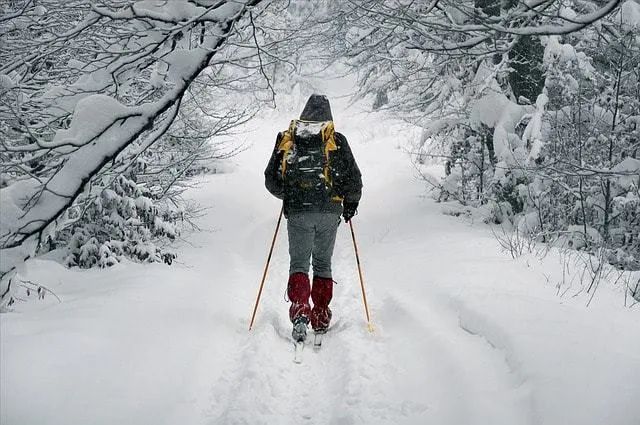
column 370, row 328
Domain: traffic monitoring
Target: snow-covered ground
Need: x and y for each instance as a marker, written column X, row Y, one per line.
column 463, row 334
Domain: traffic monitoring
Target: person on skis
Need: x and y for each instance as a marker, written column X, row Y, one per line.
column 315, row 174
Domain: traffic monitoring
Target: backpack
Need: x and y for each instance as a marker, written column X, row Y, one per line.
column 305, row 167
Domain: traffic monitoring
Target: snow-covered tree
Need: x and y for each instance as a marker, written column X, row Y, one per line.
column 532, row 106
column 90, row 92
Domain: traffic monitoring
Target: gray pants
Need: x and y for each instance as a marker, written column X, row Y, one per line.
column 312, row 235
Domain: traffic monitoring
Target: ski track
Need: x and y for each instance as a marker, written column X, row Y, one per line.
column 358, row 377
column 328, row 387
column 363, row 378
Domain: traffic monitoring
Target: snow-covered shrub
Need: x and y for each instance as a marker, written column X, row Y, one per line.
column 591, row 140
column 123, row 220
column 565, row 168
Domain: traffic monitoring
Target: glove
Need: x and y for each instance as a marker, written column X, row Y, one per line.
column 349, row 209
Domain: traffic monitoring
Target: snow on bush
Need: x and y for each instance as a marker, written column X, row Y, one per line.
column 122, row 221
column 564, row 169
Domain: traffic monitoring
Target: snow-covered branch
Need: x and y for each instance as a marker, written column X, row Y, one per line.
column 80, row 84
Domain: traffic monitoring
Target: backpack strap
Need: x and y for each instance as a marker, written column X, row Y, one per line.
column 328, row 134
column 286, row 143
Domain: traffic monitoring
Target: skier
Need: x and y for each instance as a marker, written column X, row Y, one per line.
column 314, row 172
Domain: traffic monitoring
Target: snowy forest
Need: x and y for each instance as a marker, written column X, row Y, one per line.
column 499, row 226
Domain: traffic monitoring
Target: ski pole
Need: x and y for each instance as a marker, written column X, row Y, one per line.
column 364, row 295
column 266, row 267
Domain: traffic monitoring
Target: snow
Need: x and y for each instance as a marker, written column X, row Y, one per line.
column 630, row 170
column 94, row 129
column 567, row 13
column 577, row 238
column 40, row 10
column 177, row 10
column 533, row 131
column 464, row 334
column 555, row 51
column 182, row 62
column 6, row 82
column 144, row 203
column 92, row 116
column 489, row 109
column 630, row 13
column 12, row 198
column 496, row 111
column 529, row 223
column 101, row 128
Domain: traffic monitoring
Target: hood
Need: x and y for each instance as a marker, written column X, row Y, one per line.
column 317, row 109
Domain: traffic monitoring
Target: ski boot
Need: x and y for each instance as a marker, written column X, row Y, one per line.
column 299, row 333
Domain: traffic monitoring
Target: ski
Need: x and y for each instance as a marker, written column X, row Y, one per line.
column 297, row 354
column 299, row 335
column 317, row 341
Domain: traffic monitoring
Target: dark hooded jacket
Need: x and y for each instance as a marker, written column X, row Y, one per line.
column 345, row 174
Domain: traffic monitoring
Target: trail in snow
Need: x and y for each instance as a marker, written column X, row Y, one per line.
column 418, row 365
column 463, row 334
